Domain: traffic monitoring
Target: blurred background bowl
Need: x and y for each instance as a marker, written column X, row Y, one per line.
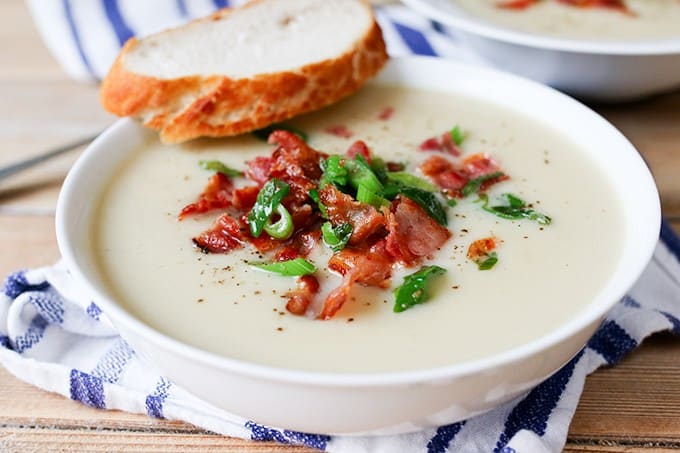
column 596, row 70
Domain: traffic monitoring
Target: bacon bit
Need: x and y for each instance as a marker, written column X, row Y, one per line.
column 452, row 178
column 395, row 166
column 444, row 174
column 443, row 143
column 339, row 131
column 359, row 147
column 295, row 163
column 245, row 198
column 259, row 169
column 371, row 267
column 482, row 164
column 412, row 233
column 617, row 5
column 342, row 208
column 386, row 113
column 300, row 245
column 516, row 4
column 301, row 297
column 223, row 237
column 481, row 248
column 216, row 195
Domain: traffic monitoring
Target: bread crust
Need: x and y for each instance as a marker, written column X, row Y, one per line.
column 189, row 107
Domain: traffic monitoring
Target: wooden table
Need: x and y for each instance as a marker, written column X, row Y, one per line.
column 634, row 406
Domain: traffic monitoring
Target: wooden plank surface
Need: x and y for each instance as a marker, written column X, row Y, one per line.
column 634, row 406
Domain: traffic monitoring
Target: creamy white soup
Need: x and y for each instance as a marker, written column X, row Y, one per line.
column 544, row 276
column 641, row 19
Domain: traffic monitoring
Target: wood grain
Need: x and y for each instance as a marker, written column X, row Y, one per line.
column 634, row 406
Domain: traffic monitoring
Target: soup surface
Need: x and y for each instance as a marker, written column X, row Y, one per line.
column 646, row 20
column 217, row 302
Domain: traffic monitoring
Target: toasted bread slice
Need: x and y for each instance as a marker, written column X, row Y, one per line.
column 242, row 69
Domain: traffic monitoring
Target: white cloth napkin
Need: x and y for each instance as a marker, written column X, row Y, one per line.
column 54, row 337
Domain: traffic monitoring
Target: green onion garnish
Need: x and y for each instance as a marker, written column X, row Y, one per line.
column 263, row 134
column 474, row 185
column 407, row 179
column 366, row 195
column 334, row 171
column 414, row 289
column 451, row 202
column 283, row 228
column 488, row 263
column 291, row 268
column 219, row 167
column 428, row 201
column 360, row 173
column 336, row 238
column 514, row 208
column 457, row 135
column 268, row 199
column 314, row 195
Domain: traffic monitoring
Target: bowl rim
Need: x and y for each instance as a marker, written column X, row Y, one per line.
column 471, row 24
column 648, row 236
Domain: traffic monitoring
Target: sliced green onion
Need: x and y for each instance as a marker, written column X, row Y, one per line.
column 414, row 289
column 291, row 268
column 407, row 179
column 265, row 132
column 336, row 238
column 219, row 167
column 488, row 263
column 428, row 201
column 451, row 202
column 514, row 209
column 360, row 173
column 334, row 171
column 267, row 201
column 379, row 167
column 366, row 195
column 457, row 135
column 283, row 228
column 474, row 185
column 314, row 195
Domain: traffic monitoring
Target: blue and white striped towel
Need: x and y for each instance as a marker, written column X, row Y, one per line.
column 52, row 336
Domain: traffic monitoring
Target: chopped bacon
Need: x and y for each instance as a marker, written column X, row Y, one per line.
column 223, row 237
column 481, row 248
column 245, row 198
column 451, row 178
column 359, row 147
column 295, row 163
column 617, row 5
column 342, row 208
column 372, row 267
column 259, row 169
column 443, row 143
column 386, row 113
column 216, row 195
column 516, row 4
column 412, row 233
column 339, row 131
column 300, row 245
column 445, row 174
column 301, row 297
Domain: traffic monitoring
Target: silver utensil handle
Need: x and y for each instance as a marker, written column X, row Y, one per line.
column 30, row 162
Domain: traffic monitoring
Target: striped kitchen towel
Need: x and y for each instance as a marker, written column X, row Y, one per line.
column 53, row 337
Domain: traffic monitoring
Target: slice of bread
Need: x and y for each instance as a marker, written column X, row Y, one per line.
column 242, row 69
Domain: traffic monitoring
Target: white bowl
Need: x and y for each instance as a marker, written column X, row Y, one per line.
column 592, row 69
column 380, row 402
